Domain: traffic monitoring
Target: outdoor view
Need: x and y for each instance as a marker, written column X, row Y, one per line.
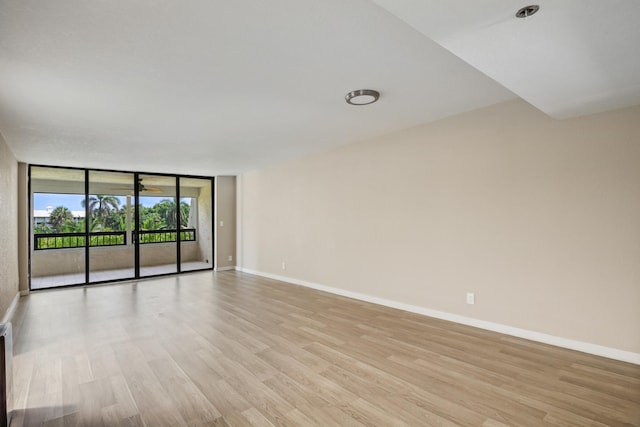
column 65, row 224
column 89, row 226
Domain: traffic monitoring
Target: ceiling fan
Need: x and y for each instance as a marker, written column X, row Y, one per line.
column 141, row 188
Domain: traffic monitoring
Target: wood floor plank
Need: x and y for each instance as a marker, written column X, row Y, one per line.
column 232, row 349
column 255, row 418
column 190, row 402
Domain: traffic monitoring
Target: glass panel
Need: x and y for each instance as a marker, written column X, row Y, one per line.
column 157, row 228
column 60, row 248
column 58, row 227
column 111, row 213
column 195, row 210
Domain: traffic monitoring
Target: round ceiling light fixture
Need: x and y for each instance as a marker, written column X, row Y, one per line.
column 527, row 11
column 362, row 97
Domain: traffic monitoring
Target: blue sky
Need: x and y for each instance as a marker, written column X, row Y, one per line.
column 74, row 201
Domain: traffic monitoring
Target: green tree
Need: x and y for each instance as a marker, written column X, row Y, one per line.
column 150, row 219
column 119, row 220
column 185, row 209
column 101, row 207
column 43, row 229
column 75, row 226
column 151, row 222
column 70, row 227
column 58, row 217
column 166, row 209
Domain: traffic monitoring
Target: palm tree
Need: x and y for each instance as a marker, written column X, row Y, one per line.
column 185, row 209
column 101, row 206
column 166, row 208
column 59, row 216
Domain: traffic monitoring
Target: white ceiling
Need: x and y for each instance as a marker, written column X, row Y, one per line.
column 574, row 57
column 221, row 87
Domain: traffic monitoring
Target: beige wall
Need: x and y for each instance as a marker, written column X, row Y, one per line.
column 540, row 218
column 8, row 227
column 225, row 212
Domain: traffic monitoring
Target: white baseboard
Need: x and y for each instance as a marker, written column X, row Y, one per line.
column 229, row 268
column 8, row 315
column 595, row 349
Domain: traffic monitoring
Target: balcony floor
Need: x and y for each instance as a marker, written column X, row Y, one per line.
column 109, row 275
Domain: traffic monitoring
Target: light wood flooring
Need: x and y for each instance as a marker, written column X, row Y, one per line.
column 232, row 349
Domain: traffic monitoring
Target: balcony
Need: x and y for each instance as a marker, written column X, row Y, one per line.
column 58, row 259
column 151, row 223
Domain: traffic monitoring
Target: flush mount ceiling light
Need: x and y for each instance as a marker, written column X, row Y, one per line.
column 362, row 97
column 527, row 11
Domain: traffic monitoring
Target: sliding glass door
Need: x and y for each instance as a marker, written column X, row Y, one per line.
column 91, row 226
column 157, row 227
column 58, row 227
column 111, row 209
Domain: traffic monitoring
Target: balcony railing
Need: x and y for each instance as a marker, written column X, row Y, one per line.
column 109, row 238
column 165, row 236
column 77, row 240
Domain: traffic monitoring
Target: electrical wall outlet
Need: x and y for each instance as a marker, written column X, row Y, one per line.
column 221, row 223
column 230, row 258
column 284, row 265
column 471, row 298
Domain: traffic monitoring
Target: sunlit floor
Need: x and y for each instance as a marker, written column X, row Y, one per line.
column 109, row 275
column 231, row 349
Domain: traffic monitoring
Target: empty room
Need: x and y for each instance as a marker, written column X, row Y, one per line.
column 320, row 213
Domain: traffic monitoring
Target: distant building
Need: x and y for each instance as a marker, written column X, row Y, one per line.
column 41, row 216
